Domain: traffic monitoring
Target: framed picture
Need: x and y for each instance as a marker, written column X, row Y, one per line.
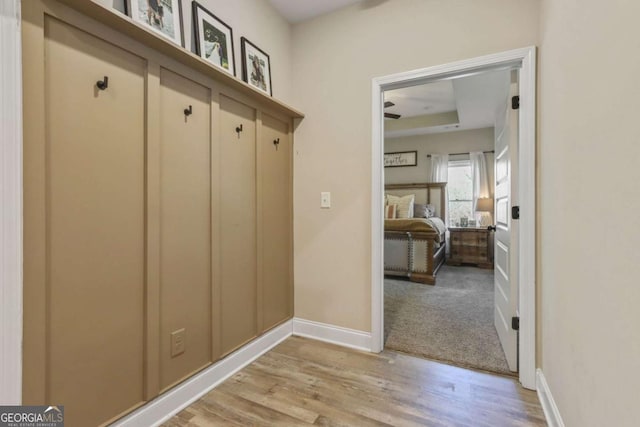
column 162, row 16
column 214, row 39
column 256, row 68
column 400, row 159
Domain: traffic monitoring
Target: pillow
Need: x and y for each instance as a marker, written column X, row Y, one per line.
column 431, row 211
column 423, row 211
column 405, row 205
column 420, row 211
column 390, row 211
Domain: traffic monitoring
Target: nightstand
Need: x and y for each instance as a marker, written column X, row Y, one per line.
column 471, row 245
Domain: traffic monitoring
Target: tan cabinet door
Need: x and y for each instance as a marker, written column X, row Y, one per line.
column 185, row 227
column 275, row 155
column 238, row 251
column 95, row 233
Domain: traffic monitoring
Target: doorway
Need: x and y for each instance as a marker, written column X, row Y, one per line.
column 523, row 310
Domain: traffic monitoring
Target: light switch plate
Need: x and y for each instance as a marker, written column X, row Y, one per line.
column 177, row 342
column 325, row 199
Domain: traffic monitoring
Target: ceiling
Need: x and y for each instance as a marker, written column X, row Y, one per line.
column 300, row 10
column 449, row 105
column 476, row 99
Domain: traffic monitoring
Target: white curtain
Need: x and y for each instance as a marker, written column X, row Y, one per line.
column 439, row 168
column 440, row 173
column 480, row 179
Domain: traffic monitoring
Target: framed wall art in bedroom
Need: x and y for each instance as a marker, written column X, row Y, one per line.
column 400, row 159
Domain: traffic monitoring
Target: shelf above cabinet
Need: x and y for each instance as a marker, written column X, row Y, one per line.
column 125, row 25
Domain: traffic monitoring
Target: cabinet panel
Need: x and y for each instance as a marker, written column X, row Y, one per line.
column 277, row 289
column 237, row 223
column 95, row 230
column 185, row 231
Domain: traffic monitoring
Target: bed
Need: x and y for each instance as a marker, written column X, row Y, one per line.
column 415, row 248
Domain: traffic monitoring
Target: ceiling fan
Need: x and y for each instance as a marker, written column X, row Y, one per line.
column 388, row 104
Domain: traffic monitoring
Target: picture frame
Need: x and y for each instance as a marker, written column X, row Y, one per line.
column 214, row 39
column 401, row 159
column 164, row 17
column 256, row 67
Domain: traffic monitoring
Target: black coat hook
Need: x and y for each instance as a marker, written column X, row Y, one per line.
column 188, row 111
column 103, row 84
column 276, row 142
column 239, row 129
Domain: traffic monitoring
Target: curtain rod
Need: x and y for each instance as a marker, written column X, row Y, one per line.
column 459, row 154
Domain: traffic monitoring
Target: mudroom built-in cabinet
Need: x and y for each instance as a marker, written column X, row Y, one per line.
column 157, row 212
column 184, row 207
column 238, row 213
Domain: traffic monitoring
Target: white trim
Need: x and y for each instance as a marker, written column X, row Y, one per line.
column 345, row 337
column 173, row 401
column 10, row 203
column 525, row 58
column 551, row 412
column 377, row 215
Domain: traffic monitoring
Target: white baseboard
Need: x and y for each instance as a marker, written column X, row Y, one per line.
column 173, row 401
column 345, row 337
column 551, row 412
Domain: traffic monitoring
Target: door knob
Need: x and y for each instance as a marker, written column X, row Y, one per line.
column 491, row 228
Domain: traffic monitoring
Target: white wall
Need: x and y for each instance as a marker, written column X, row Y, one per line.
column 589, row 239
column 256, row 20
column 439, row 143
column 335, row 57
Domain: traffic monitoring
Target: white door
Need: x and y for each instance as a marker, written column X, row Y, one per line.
column 505, row 242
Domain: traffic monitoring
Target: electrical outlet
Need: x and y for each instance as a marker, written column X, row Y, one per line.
column 177, row 342
column 325, row 200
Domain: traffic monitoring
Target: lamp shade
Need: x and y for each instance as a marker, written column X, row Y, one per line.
column 484, row 204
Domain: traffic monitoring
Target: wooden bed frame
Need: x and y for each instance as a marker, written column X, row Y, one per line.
column 418, row 256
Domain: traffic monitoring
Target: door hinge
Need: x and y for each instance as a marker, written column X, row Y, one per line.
column 515, row 212
column 515, row 323
column 515, row 102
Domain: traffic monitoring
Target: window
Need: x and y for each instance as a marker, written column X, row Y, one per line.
column 460, row 191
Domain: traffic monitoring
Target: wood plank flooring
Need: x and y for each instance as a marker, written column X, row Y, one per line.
column 307, row 382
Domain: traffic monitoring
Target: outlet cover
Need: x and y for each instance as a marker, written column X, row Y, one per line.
column 177, row 342
column 325, row 199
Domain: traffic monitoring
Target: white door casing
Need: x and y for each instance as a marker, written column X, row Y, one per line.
column 525, row 59
column 505, row 242
column 10, row 204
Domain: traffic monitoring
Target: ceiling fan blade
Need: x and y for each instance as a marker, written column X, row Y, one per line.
column 392, row 116
column 388, row 104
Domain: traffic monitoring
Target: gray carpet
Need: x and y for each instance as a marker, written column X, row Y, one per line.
column 451, row 321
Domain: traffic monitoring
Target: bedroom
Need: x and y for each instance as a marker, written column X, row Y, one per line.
column 439, row 145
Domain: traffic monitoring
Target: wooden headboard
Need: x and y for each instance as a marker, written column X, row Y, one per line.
column 426, row 193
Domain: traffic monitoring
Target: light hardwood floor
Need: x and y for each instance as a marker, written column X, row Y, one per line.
column 307, row 382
